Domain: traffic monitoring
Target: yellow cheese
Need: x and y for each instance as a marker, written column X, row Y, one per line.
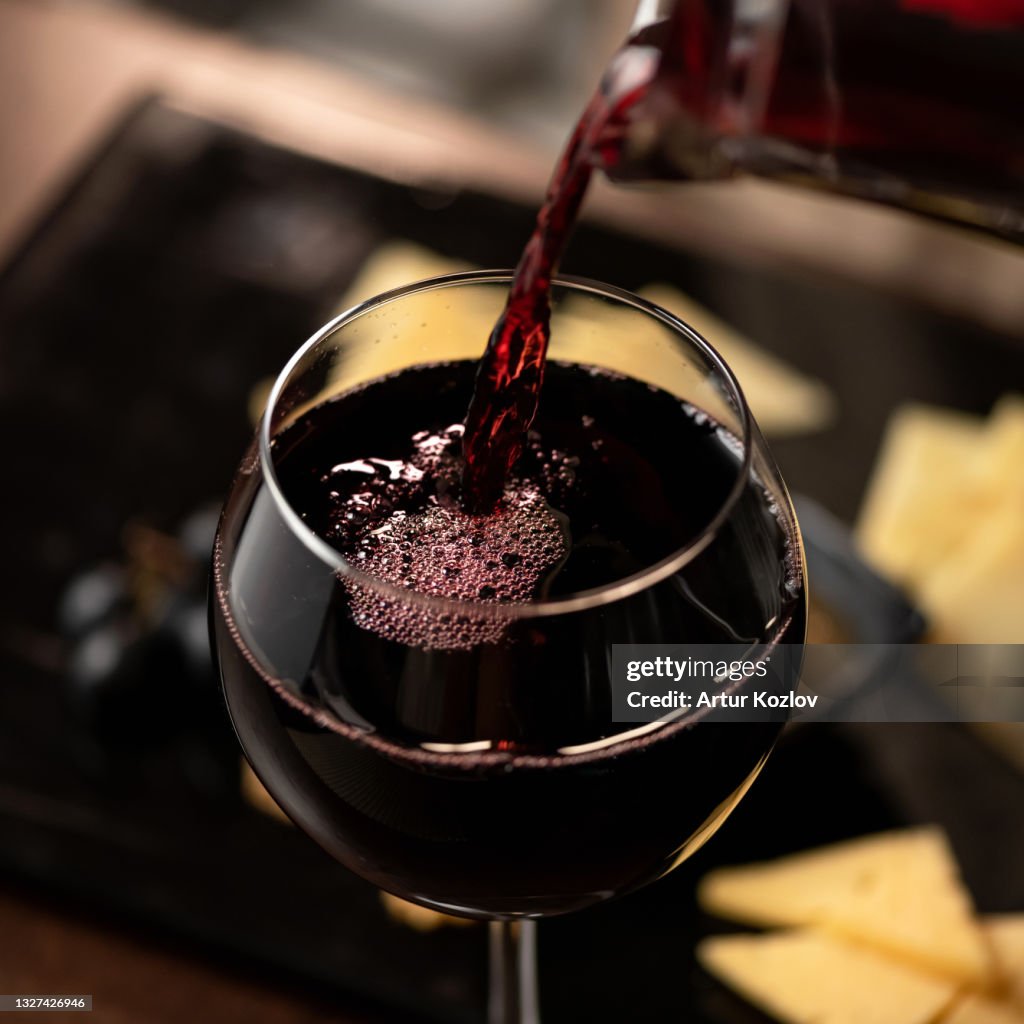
column 898, row 891
column 395, row 264
column 976, row 593
column 918, row 506
column 944, row 515
column 1005, row 932
column 422, row 328
column 784, row 401
column 810, row 977
column 1001, row 463
column 975, row 1009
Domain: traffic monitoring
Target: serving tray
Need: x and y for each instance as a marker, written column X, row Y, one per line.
column 186, row 263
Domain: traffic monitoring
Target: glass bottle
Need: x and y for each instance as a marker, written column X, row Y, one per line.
column 913, row 103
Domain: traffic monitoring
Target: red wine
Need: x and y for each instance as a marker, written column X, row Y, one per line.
column 511, row 371
column 909, row 102
column 919, row 99
column 465, row 755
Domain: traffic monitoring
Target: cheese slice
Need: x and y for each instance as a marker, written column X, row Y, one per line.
column 422, row 328
column 975, row 1009
column 943, row 516
column 898, row 891
column 919, row 505
column 811, row 977
column 1005, row 933
column 784, row 401
column 975, row 594
column 395, row 264
column 1001, row 462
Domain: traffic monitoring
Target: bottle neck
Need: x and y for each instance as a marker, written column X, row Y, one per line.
column 716, row 69
column 914, row 103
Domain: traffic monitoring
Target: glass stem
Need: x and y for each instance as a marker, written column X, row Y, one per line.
column 513, row 973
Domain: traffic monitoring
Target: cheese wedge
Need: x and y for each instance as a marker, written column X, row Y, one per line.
column 811, row 977
column 975, row 1009
column 423, row 328
column 1005, row 933
column 919, row 505
column 1001, row 463
column 395, row 264
column 943, row 516
column 897, row 891
column 975, row 594
column 784, row 401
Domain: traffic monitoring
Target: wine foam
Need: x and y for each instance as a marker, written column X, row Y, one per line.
column 397, row 522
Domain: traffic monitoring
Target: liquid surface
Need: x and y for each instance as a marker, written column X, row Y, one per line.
column 616, row 475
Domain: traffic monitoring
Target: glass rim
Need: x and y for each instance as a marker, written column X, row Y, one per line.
column 584, row 599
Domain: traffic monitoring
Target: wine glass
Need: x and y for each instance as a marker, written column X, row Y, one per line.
column 464, row 754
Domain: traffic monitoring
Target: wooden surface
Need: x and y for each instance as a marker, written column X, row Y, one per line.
column 53, row 950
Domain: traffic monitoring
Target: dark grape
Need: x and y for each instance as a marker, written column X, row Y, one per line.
column 91, row 599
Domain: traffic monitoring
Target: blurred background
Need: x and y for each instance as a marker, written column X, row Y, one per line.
column 187, row 190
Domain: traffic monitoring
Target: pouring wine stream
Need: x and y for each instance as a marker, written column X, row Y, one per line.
column 511, row 372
